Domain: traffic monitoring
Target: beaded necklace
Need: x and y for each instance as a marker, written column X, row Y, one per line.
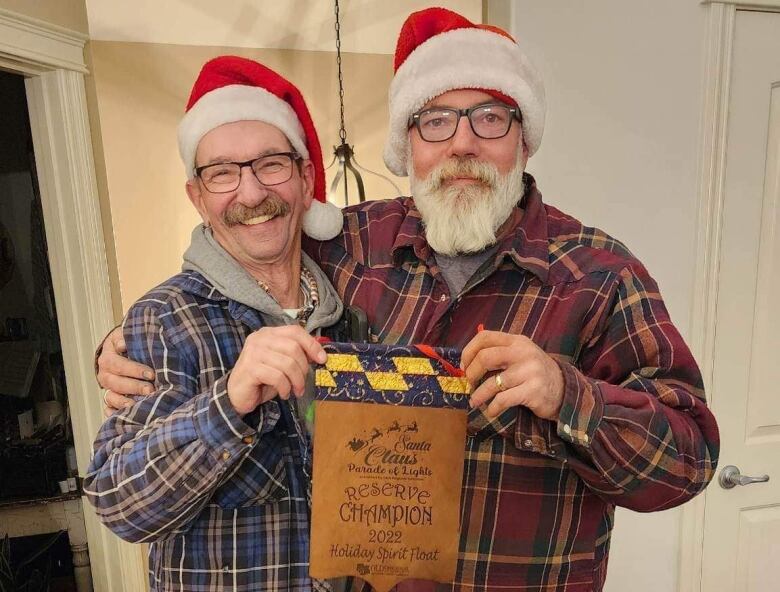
column 309, row 294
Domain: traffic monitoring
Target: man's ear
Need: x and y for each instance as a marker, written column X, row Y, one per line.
column 307, row 176
column 195, row 193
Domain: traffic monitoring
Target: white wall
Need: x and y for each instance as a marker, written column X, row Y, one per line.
column 624, row 84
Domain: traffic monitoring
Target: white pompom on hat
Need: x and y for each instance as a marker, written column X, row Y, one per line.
column 231, row 88
column 438, row 51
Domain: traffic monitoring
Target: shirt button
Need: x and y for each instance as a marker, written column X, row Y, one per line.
column 442, row 298
column 551, row 452
column 567, row 428
column 225, row 455
column 248, row 439
column 528, row 443
column 226, row 567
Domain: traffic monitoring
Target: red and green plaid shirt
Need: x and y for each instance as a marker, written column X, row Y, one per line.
column 634, row 429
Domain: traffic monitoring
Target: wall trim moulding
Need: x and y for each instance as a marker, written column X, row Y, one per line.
column 712, row 156
column 37, row 44
column 52, row 60
column 747, row 4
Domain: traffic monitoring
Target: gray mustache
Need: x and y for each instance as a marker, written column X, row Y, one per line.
column 271, row 206
column 464, row 167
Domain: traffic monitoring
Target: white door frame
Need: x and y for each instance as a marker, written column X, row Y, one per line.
column 712, row 165
column 52, row 60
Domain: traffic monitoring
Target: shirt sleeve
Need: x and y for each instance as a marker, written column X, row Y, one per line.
column 634, row 423
column 157, row 463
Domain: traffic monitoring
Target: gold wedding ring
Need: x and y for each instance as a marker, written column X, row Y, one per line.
column 499, row 383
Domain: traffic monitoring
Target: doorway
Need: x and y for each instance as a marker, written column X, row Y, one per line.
column 38, row 470
column 742, row 515
column 51, row 61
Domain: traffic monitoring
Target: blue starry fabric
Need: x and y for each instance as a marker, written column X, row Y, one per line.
column 416, row 376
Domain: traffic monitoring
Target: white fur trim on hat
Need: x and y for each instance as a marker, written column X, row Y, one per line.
column 236, row 102
column 462, row 58
column 323, row 221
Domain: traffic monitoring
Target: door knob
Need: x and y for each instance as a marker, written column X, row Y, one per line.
column 731, row 477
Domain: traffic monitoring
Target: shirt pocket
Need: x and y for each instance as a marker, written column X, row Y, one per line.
column 262, row 477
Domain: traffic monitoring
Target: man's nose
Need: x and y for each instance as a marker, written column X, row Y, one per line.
column 465, row 142
column 251, row 192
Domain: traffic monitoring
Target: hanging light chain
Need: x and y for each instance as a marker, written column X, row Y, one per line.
column 342, row 130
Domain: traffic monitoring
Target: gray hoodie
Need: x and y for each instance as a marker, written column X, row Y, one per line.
column 206, row 256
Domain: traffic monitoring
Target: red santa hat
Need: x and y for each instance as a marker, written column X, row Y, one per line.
column 231, row 88
column 439, row 50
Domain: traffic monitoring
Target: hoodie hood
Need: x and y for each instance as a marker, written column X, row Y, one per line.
column 206, row 256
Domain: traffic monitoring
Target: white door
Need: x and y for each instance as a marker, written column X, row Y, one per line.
column 742, row 525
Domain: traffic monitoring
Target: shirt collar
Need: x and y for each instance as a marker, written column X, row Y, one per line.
column 410, row 234
column 523, row 238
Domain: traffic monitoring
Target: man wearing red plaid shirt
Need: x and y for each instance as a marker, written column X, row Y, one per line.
column 586, row 396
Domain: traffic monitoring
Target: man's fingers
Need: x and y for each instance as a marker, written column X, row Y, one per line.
column 500, row 400
column 488, row 359
column 124, row 386
column 482, row 340
column 292, row 371
column 316, row 352
column 122, row 366
column 273, row 377
column 511, row 377
column 483, row 393
column 115, row 341
column 509, row 398
column 293, row 350
column 115, row 401
column 312, row 348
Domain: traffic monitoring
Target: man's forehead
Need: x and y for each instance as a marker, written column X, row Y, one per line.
column 209, row 159
column 461, row 98
column 241, row 140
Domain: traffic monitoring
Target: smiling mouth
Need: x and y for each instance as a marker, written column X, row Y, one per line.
column 257, row 220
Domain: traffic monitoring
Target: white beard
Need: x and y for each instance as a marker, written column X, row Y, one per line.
column 465, row 219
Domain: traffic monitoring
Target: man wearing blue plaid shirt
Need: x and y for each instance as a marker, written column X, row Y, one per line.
column 212, row 468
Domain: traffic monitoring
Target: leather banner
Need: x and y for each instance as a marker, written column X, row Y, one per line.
column 390, row 429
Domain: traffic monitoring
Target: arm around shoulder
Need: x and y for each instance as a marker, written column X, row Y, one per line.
column 182, row 440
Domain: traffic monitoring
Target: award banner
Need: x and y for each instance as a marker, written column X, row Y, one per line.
column 389, row 439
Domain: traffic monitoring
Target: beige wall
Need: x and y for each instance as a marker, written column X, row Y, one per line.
column 138, row 97
column 144, row 57
column 367, row 26
column 71, row 14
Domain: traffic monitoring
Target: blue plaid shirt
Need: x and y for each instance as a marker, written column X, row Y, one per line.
column 222, row 499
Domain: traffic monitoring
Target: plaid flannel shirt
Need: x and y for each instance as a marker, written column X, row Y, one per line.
column 634, row 429
column 222, row 500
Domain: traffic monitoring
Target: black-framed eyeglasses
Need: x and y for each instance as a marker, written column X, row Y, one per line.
column 269, row 169
column 489, row 121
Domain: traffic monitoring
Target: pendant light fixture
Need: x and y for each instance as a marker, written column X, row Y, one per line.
column 344, row 154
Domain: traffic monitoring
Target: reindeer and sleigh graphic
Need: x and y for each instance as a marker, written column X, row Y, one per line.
column 356, row 444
